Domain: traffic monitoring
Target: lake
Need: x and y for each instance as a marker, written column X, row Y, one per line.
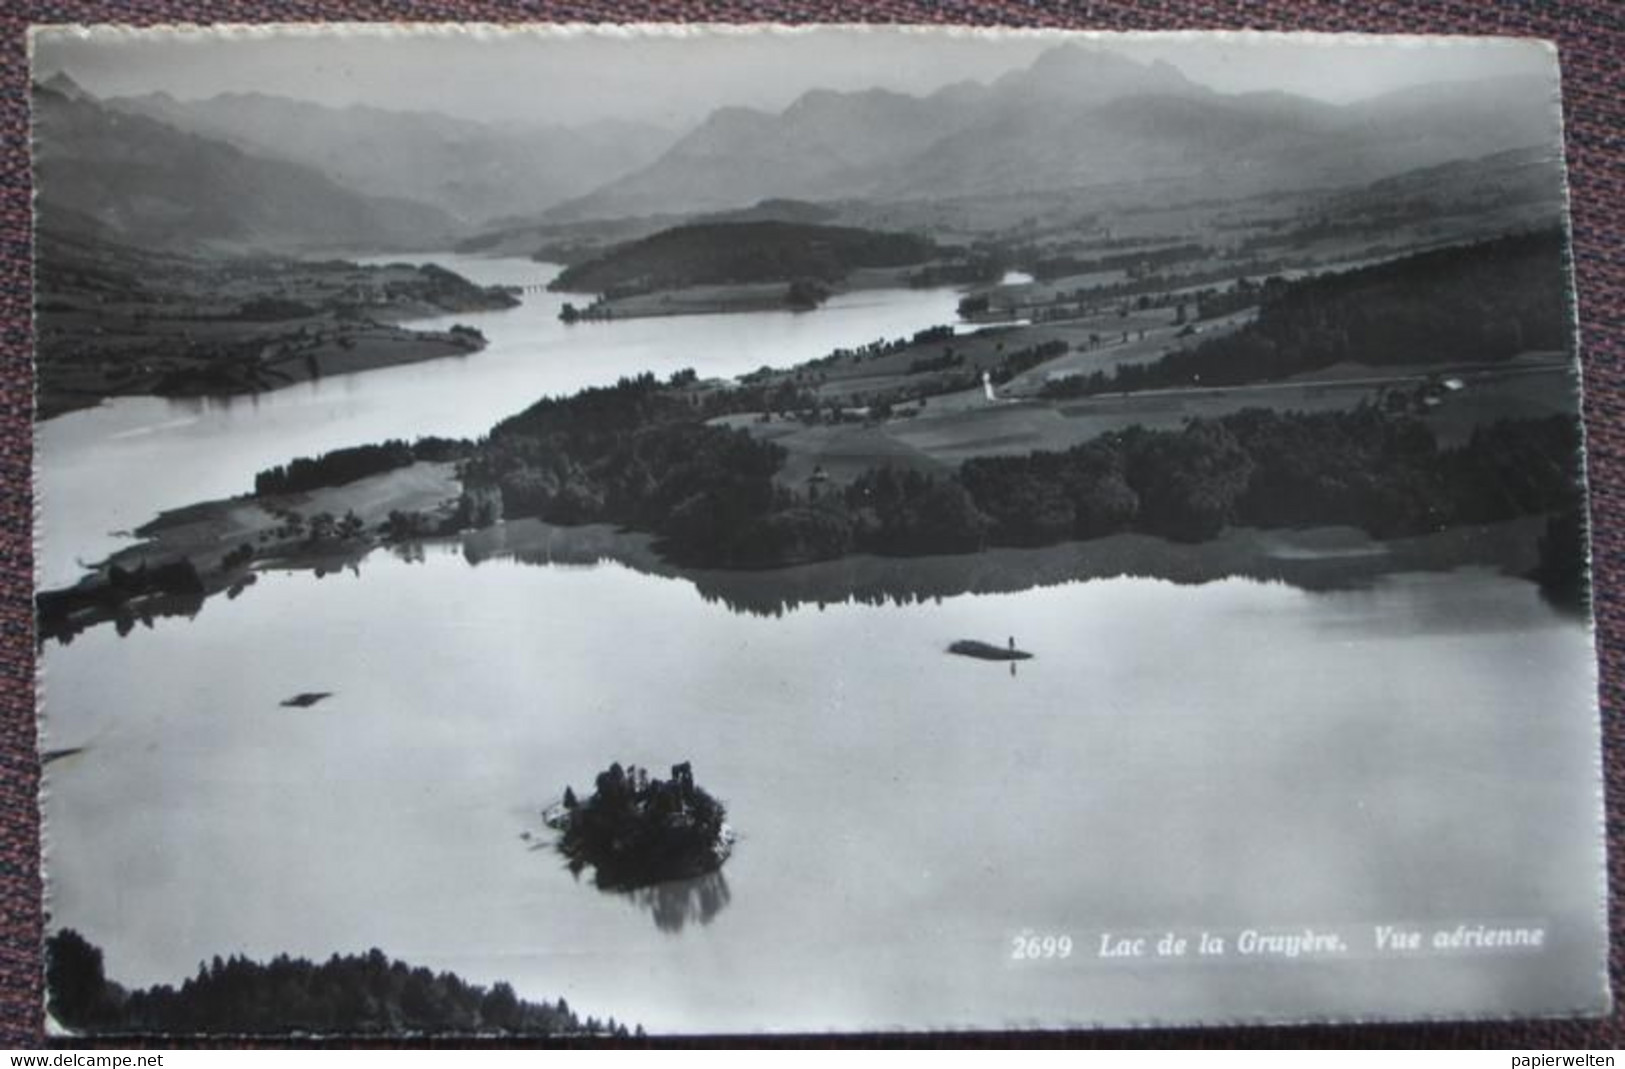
column 1226, row 757
column 112, row 468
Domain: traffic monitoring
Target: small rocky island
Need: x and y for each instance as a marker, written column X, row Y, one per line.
column 636, row 831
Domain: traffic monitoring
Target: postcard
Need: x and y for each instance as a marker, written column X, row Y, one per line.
column 568, row 530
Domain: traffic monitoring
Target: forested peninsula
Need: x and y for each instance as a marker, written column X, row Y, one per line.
column 113, row 320
column 737, row 266
column 673, row 460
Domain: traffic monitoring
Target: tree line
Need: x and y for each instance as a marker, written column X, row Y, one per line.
column 1381, row 473
column 1473, row 303
column 357, row 994
column 638, row 830
column 356, row 462
column 636, row 454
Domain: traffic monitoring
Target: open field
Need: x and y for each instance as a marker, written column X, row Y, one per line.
column 951, row 429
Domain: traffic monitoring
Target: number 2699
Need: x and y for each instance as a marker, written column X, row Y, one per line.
column 1041, row 947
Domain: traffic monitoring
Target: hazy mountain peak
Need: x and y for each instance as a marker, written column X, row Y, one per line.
column 961, row 92
column 462, row 166
column 733, row 116
column 816, row 100
column 138, row 179
column 1081, row 73
column 722, row 127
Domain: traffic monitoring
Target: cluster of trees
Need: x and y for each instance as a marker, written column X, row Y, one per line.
column 1483, row 302
column 740, row 252
column 1008, row 366
column 358, row 462
column 909, row 513
column 1562, row 569
column 637, row 454
column 1212, row 303
column 362, row 994
column 435, row 285
column 973, row 305
column 1026, row 358
column 783, row 397
column 636, row 830
column 1366, row 468
column 805, row 294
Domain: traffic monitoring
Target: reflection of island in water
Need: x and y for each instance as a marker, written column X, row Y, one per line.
column 678, row 903
column 1314, row 559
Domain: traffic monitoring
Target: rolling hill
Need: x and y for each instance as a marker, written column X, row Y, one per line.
column 474, row 171
column 1075, row 118
column 742, row 252
column 104, row 173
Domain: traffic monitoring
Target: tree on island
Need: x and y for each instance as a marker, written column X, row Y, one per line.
column 636, row 831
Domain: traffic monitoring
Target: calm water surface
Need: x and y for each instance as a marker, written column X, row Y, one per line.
column 1166, row 761
column 110, row 469
column 1228, row 755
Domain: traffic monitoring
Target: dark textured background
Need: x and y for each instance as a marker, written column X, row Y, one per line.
column 1590, row 35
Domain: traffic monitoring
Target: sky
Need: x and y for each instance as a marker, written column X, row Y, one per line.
column 676, row 76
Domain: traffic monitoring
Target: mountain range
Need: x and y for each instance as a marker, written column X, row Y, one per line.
column 1075, row 118
column 477, row 173
column 257, row 171
column 108, row 174
column 251, row 170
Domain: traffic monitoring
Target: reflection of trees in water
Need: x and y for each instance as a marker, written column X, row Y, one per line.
column 675, row 904
column 1321, row 560
column 679, row 903
column 1315, row 560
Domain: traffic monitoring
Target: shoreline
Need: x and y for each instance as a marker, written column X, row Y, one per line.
column 191, row 554
column 1314, row 559
column 176, row 326
column 741, row 298
column 388, row 346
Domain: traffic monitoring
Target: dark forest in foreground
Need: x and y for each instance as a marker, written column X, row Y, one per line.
column 360, row 994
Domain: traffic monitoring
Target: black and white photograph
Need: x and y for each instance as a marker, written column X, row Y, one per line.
column 651, row 530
